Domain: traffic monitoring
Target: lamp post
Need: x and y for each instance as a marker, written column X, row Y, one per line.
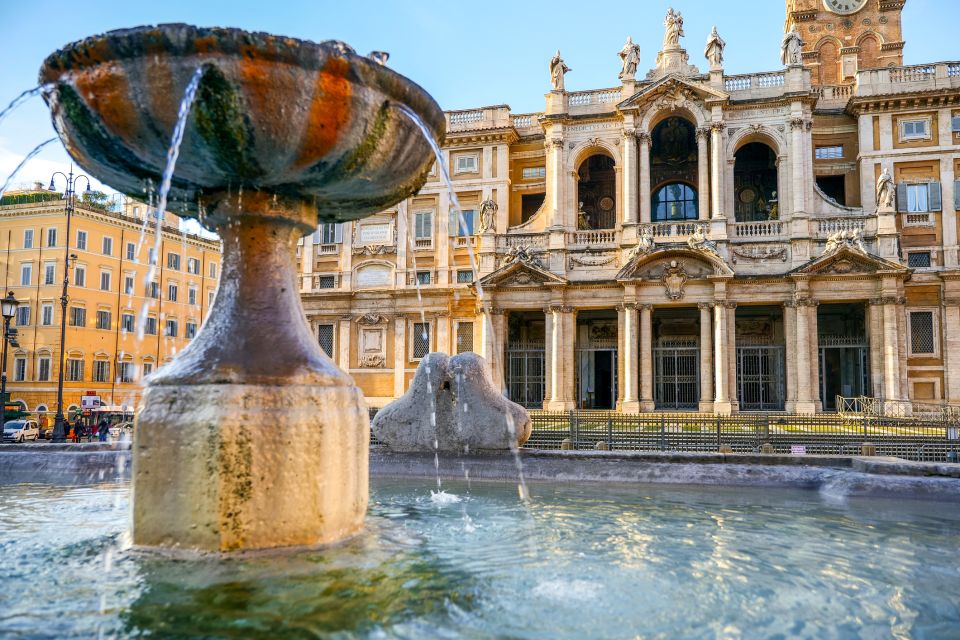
column 59, row 435
column 9, row 309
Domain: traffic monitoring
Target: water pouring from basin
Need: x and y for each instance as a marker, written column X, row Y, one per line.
column 251, row 438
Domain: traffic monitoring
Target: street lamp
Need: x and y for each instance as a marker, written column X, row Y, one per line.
column 59, row 435
column 9, row 308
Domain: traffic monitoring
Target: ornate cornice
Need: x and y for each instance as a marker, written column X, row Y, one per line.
column 883, row 300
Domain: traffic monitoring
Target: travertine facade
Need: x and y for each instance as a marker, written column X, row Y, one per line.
column 685, row 240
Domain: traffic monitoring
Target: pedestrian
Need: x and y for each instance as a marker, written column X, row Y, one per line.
column 71, row 435
column 104, row 430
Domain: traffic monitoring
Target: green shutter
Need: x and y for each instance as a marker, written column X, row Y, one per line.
column 934, row 197
column 902, row 197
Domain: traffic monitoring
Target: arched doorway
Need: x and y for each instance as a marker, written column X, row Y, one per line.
column 674, row 171
column 755, row 183
column 597, row 193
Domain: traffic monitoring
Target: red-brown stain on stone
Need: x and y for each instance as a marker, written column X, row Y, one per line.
column 106, row 90
column 329, row 113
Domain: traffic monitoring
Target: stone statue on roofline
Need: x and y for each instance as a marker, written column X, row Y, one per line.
column 886, row 192
column 714, row 50
column 791, row 49
column 630, row 57
column 557, row 70
column 674, row 29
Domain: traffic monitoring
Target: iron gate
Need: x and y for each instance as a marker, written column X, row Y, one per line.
column 844, row 368
column 525, row 374
column 760, row 377
column 677, row 373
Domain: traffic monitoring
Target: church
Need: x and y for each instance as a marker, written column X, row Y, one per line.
column 681, row 240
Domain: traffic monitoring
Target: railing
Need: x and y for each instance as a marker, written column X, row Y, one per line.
column 328, row 249
column 754, row 81
column 466, row 117
column 524, row 120
column 758, row 229
column 600, row 96
column 940, row 75
column 422, row 243
column 829, row 226
column 953, row 69
column 839, row 93
column 591, row 238
column 473, row 119
column 529, row 240
column 871, row 407
column 460, row 242
column 680, row 230
column 918, row 219
column 917, row 73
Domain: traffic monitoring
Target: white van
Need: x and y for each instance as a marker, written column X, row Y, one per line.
column 21, row 431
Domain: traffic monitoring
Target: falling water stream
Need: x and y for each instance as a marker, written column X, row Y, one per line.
column 23, row 97
column 37, row 149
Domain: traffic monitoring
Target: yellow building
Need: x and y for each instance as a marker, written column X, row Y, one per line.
column 120, row 327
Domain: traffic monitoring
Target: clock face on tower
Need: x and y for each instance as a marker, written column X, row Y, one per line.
column 844, row 7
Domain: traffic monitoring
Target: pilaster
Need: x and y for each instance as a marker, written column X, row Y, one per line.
column 706, row 357
column 399, row 355
column 646, row 358
column 643, row 138
column 628, row 317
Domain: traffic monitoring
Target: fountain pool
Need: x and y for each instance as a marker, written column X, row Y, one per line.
column 598, row 561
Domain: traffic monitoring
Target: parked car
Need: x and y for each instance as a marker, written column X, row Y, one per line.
column 21, row 431
column 122, row 430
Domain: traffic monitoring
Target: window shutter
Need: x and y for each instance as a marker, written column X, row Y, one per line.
column 453, row 227
column 935, row 199
column 316, row 236
column 956, row 195
column 338, row 233
column 902, row 196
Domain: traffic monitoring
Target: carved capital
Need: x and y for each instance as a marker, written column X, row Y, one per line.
column 643, row 137
column 718, row 126
column 704, row 305
column 646, row 308
column 703, row 133
column 882, row 300
column 560, row 308
column 556, row 143
column 803, row 301
column 798, row 123
column 729, row 304
column 629, row 132
column 626, row 306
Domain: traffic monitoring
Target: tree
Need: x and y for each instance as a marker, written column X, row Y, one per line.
column 95, row 199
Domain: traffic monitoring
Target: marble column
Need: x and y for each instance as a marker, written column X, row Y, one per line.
column 548, row 368
column 629, row 176
column 343, row 344
column 949, row 218
column 562, row 356
column 491, row 343
column 732, row 391
column 703, row 172
column 891, row 348
column 646, row 358
column 716, row 170
column 644, row 139
column 706, row 357
column 721, row 402
column 399, row 356
column 797, row 160
column 556, row 177
column 801, row 347
column 875, row 337
column 790, row 355
column 444, row 234
column 630, row 342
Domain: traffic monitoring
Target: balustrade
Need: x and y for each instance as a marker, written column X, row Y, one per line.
column 829, row 226
column 585, row 98
column 529, row 240
column 758, row 229
column 591, row 238
column 755, row 81
column 674, row 229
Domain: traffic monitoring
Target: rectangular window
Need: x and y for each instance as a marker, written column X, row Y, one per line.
column 421, row 339
column 210, row 297
column 213, row 269
column 103, row 319
column 151, row 256
column 28, row 238
column 829, row 153
column 104, row 281
column 915, row 129
column 190, row 330
column 153, row 290
column 918, row 259
column 192, row 295
column 74, row 369
column 131, row 251
column 46, row 315
column 329, row 233
column 80, row 276
column 466, row 164
column 173, row 261
column 51, row 237
column 125, row 371
column 147, row 369
column 172, row 292
column 916, row 198
column 108, row 246
column 464, row 276
column 127, row 322
column 532, row 173
column 955, row 121
column 23, row 316
column 326, row 282
column 325, row 336
column 921, row 333
column 423, row 225
column 423, row 277
column 19, row 369
column 150, row 326
column 464, row 337
column 43, row 369
column 101, row 371
column 26, row 274
column 50, row 274
column 128, row 285
column 78, row 317
column 81, row 240
column 193, row 266
column 462, row 227
column 171, row 329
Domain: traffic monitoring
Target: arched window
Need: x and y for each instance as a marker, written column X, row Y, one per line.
column 829, row 63
column 597, row 191
column 674, row 201
column 869, row 55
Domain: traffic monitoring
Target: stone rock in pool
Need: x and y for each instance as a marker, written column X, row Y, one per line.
column 471, row 414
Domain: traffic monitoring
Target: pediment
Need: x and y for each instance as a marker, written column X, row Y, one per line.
column 696, row 265
column 521, row 274
column 846, row 260
column 672, row 85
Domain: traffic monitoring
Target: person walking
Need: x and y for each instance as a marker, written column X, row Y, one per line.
column 104, row 429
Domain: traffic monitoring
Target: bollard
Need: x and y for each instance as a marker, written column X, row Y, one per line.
column 868, row 449
column 601, row 446
column 767, row 447
column 566, row 444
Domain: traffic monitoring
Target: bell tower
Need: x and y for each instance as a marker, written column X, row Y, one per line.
column 842, row 36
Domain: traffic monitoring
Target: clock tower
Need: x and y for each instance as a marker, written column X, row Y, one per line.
column 842, row 36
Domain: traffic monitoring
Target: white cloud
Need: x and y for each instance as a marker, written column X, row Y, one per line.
column 39, row 169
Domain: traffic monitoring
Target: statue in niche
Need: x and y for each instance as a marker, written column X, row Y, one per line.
column 488, row 212
column 714, row 50
column 791, row 48
column 674, row 29
column 886, row 191
column 583, row 222
column 557, row 70
column 630, row 57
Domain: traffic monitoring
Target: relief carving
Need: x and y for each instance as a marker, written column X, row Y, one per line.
column 673, row 278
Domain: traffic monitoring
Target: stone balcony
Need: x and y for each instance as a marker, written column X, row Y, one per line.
column 894, row 80
column 495, row 117
column 593, row 101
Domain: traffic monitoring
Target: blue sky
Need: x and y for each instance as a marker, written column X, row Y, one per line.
column 466, row 54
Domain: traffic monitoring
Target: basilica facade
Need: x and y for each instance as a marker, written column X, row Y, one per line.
column 686, row 240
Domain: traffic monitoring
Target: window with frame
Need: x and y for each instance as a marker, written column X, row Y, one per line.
column 104, row 281
column 50, row 273
column 170, row 330
column 922, row 338
column 421, row 339
column 675, row 201
column 128, row 285
column 212, row 270
column 325, row 338
column 103, row 319
column 210, row 297
column 46, row 315
column 918, row 259
column 190, row 330
column 173, row 261
column 147, row 368
column 152, row 255
column 533, row 173
column 916, row 129
column 131, row 251
column 462, row 227
column 172, row 291
column 150, row 326
column 51, row 237
column 955, row 123
column 78, row 317
column 43, row 369
column 26, row 274
column 23, row 315
column 423, row 277
column 829, row 153
column 464, row 337
column 81, row 240
column 153, row 290
column 919, row 197
column 19, row 369
column 101, row 371
column 127, row 322
column 192, row 295
column 125, row 371
column 467, row 163
column 193, row 266
column 28, row 238
column 74, row 369
column 80, row 276
column 330, row 233
column 326, row 282
column 464, row 276
column 107, row 246
column 423, row 225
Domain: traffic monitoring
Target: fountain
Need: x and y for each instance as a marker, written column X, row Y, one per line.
column 251, row 438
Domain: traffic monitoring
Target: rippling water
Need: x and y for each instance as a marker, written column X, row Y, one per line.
column 577, row 562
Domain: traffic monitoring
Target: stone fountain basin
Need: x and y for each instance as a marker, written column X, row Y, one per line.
column 290, row 118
